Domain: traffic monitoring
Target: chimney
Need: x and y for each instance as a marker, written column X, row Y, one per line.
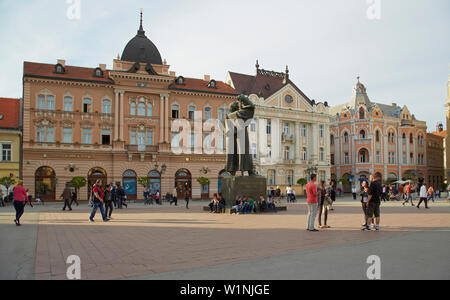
column 394, row 104
column 207, row 78
column 102, row 67
column 62, row 62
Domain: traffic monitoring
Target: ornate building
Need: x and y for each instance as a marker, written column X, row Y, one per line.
column 368, row 138
column 290, row 138
column 447, row 139
column 435, row 155
column 115, row 124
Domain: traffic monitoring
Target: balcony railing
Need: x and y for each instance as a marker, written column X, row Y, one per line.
column 142, row 148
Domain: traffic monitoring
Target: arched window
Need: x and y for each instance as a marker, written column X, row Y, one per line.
column 332, row 140
column 207, row 113
column 304, row 154
column 404, row 138
column 363, row 156
column 286, row 153
column 191, row 112
column 362, row 114
column 322, row 154
column 377, row 135
column 141, row 109
column 362, row 134
column 304, row 131
column 411, row 139
column 133, row 108
column 221, row 114
column 106, row 107
column 68, row 104
column 175, row 111
column 346, row 137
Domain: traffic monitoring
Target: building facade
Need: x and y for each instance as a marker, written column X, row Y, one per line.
column 115, row 125
column 435, row 161
column 289, row 140
column 368, row 137
column 10, row 138
column 447, row 139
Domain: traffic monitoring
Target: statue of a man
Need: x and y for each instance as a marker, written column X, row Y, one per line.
column 237, row 138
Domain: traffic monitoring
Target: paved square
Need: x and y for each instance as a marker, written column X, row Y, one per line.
column 175, row 243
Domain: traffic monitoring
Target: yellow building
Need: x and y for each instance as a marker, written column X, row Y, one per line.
column 10, row 138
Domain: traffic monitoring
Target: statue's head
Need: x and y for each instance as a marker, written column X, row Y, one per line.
column 242, row 97
column 234, row 107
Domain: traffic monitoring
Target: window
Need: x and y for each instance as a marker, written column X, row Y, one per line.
column 346, row 158
column 87, row 105
column 289, row 99
column 6, row 152
column 411, row 139
column 253, row 126
column 98, row 73
column 362, row 134
column 50, row 135
column 40, row 134
column 377, row 136
column 106, row 107
column 175, row 140
column 322, row 154
column 363, row 156
column 67, row 135
column 191, row 112
column 271, row 177
column 175, row 112
column 405, row 159
column 404, row 138
column 141, row 138
column 133, row 109
column 362, row 114
column 41, row 102
column 149, row 110
column 304, row 154
column 106, row 137
column 411, row 158
column 290, row 177
column 68, row 104
column 207, row 141
column 332, row 140
column 322, row 176
column 286, row 128
column 87, row 136
column 221, row 114
column 150, row 138
column 50, row 103
column 286, row 153
column 207, row 113
column 180, row 81
column 269, row 127
column 192, row 140
column 141, row 109
column 304, row 131
column 133, row 138
column 346, row 137
column 321, row 131
column 332, row 159
column 378, row 157
column 254, row 150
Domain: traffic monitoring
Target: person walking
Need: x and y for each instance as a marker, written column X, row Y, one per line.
column 289, row 194
column 120, row 194
column 187, row 198
column 373, row 203
column 423, row 195
column 66, row 196
column 408, row 193
column 74, row 198
column 312, row 201
column 430, row 194
column 97, row 200
column 19, row 196
column 109, row 204
column 354, row 191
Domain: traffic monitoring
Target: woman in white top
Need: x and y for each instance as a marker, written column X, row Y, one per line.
column 423, row 196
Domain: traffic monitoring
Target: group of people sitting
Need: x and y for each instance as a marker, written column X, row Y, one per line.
column 246, row 205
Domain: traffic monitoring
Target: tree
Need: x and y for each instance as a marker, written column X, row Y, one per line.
column 344, row 181
column 203, row 181
column 78, row 183
column 144, row 181
column 7, row 182
column 302, row 181
column 443, row 187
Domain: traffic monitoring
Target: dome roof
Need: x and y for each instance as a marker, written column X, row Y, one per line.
column 141, row 49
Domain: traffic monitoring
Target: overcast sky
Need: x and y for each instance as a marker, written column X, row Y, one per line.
column 403, row 57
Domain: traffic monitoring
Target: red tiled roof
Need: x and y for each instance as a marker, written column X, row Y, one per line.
column 441, row 134
column 199, row 85
column 9, row 110
column 264, row 84
column 31, row 69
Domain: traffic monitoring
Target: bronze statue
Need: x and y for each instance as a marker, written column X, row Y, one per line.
column 237, row 137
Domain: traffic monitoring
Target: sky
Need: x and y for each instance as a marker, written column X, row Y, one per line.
column 399, row 48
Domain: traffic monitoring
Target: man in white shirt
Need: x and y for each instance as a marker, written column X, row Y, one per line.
column 289, row 194
column 423, row 194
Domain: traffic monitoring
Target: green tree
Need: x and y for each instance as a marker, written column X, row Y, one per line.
column 7, row 182
column 203, row 181
column 78, row 183
column 344, row 181
column 302, row 181
column 144, row 181
column 444, row 187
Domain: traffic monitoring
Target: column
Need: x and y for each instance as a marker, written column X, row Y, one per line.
column 161, row 119
column 297, row 141
column 116, row 116
column 122, row 113
column 167, row 126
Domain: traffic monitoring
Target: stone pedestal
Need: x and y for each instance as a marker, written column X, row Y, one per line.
column 243, row 186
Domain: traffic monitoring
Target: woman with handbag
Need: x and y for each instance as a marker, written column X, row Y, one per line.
column 323, row 205
column 364, row 198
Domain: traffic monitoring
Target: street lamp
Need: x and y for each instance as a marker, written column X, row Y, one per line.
column 161, row 172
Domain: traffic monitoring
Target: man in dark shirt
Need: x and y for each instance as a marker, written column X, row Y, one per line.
column 374, row 202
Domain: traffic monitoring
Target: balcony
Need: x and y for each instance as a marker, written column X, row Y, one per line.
column 142, row 148
column 287, row 138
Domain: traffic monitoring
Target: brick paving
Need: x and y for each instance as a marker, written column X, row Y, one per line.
column 144, row 241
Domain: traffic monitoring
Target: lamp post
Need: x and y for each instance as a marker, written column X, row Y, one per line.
column 161, row 172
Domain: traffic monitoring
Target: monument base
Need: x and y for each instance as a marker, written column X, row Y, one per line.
column 233, row 187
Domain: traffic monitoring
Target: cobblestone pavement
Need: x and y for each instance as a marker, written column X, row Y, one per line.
column 141, row 242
